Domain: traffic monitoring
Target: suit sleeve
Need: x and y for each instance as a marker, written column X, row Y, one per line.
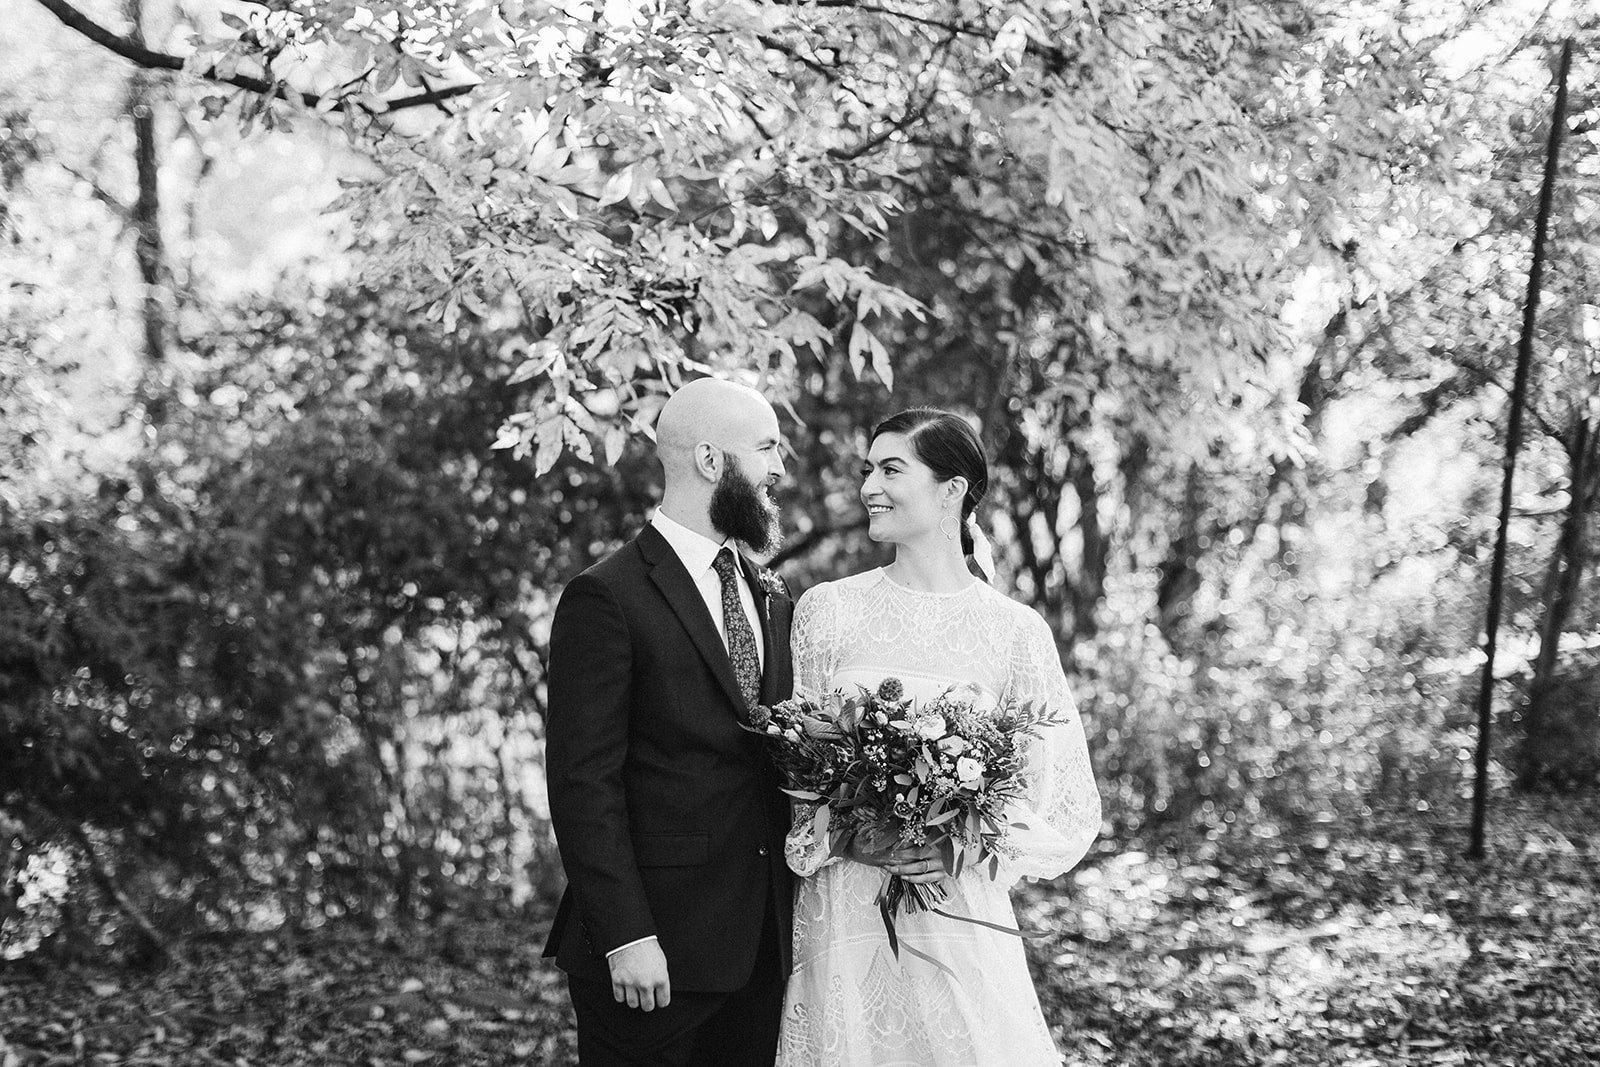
column 586, row 743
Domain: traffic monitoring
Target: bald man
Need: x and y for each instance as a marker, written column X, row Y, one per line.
column 674, row 929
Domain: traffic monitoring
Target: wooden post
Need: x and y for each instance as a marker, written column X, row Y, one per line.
column 1519, row 389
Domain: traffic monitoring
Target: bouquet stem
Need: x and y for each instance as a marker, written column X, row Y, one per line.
column 902, row 896
column 898, row 894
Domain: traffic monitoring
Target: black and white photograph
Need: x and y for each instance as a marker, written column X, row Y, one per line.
column 799, row 533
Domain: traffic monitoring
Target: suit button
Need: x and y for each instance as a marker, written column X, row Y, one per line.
column 762, row 851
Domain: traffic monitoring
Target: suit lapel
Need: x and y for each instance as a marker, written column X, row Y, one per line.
column 670, row 576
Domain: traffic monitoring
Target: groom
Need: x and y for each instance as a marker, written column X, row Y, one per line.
column 674, row 929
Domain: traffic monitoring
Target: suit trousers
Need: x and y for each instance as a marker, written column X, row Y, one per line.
column 738, row 1029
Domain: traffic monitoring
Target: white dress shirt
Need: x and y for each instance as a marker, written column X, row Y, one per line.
column 698, row 553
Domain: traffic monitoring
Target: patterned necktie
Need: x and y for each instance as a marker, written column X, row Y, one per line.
column 741, row 641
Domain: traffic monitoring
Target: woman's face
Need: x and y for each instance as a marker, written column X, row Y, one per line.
column 903, row 497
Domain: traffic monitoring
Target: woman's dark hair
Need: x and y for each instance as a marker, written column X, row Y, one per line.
column 950, row 447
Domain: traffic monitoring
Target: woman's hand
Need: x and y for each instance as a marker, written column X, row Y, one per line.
column 921, row 864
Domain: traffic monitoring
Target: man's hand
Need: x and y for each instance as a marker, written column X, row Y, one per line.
column 639, row 976
column 921, row 864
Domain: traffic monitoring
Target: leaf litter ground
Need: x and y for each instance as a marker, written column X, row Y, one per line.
column 1363, row 947
column 1360, row 946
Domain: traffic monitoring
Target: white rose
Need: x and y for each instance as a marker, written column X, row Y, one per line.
column 953, row 745
column 974, row 696
column 968, row 770
column 931, row 727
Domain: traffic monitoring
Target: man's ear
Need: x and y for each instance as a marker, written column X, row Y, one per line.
column 708, row 461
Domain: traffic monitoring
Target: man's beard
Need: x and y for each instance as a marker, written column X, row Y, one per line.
column 743, row 511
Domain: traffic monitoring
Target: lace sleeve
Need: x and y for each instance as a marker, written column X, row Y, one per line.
column 1060, row 817
column 816, row 655
column 815, row 641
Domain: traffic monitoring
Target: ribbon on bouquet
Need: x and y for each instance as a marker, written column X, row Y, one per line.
column 886, row 909
column 895, row 889
column 1014, row 931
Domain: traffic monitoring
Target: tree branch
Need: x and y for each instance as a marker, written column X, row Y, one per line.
column 118, row 208
column 1057, row 58
column 149, row 59
column 912, row 114
column 816, row 66
column 125, row 47
column 103, row 877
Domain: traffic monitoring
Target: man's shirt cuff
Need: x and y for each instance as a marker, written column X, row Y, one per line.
column 630, row 944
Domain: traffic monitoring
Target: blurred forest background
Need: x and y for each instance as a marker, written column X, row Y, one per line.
column 330, row 331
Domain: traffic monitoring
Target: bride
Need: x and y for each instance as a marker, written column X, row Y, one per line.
column 926, row 620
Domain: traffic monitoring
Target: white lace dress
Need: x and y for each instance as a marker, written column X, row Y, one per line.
column 850, row 1002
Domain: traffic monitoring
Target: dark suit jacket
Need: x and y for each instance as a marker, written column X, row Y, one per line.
column 666, row 811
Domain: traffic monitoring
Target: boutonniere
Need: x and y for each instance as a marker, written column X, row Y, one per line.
column 771, row 583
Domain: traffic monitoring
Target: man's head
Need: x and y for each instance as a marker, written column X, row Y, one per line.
column 719, row 445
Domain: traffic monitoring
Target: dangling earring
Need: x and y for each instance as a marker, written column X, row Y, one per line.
column 955, row 527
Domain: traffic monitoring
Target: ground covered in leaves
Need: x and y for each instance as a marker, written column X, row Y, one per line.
column 1359, row 945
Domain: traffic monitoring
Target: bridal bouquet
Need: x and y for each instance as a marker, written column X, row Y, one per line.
column 886, row 770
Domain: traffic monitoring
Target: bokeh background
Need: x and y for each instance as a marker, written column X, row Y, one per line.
column 326, row 360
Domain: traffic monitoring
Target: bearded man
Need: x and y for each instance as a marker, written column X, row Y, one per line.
column 674, row 929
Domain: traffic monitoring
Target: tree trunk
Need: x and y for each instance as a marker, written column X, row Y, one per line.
column 1037, row 494
column 1284, row 507
column 1180, row 571
column 385, row 746
column 408, row 861
column 1542, row 738
column 1090, row 587
column 148, row 248
column 1519, row 389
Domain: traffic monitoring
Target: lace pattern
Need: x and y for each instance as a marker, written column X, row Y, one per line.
column 850, row 1003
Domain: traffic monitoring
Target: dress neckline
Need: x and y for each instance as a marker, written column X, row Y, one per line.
column 883, row 572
